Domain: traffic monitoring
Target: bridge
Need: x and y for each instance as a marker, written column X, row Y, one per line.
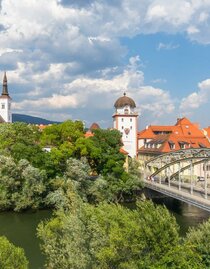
column 178, row 174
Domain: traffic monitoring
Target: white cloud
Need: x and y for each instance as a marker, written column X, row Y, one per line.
column 197, row 99
column 100, row 93
column 167, row 46
column 62, row 55
column 192, row 30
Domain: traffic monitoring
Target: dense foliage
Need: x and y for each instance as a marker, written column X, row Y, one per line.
column 37, row 165
column 199, row 239
column 112, row 236
column 11, row 257
column 21, row 185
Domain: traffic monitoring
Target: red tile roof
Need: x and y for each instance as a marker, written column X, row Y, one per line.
column 123, row 151
column 170, row 138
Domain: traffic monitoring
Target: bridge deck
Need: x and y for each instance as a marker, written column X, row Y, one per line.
column 196, row 199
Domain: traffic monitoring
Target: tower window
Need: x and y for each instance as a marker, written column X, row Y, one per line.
column 130, row 120
column 122, row 119
column 3, row 106
column 131, row 127
column 122, row 127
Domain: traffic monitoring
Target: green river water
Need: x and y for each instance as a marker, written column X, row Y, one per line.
column 20, row 228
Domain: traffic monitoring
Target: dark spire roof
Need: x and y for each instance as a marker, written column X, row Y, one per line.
column 124, row 101
column 5, row 88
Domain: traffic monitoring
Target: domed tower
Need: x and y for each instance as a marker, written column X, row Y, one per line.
column 125, row 120
column 5, row 103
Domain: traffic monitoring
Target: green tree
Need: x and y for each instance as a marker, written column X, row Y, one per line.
column 112, row 189
column 110, row 159
column 21, row 185
column 21, row 141
column 77, row 174
column 111, row 236
column 57, row 134
column 199, row 240
column 85, row 147
column 11, row 257
column 61, row 138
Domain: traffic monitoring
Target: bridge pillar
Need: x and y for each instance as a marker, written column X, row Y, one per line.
column 169, row 177
column 160, row 177
column 205, row 181
column 179, row 176
column 191, row 174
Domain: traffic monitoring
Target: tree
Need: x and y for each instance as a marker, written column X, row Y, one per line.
column 21, row 185
column 21, row 141
column 57, row 134
column 111, row 160
column 199, row 240
column 61, row 138
column 112, row 236
column 11, row 257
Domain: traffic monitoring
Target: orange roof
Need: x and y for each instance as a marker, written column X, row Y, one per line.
column 94, row 126
column 123, row 151
column 42, row 126
column 88, row 134
column 183, row 134
column 146, row 133
column 207, row 132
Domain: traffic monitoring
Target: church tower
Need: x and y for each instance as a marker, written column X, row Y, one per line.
column 125, row 120
column 5, row 103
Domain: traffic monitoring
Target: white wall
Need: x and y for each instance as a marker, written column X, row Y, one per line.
column 5, row 109
column 127, row 125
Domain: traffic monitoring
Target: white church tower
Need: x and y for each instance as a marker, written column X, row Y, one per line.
column 125, row 120
column 5, row 103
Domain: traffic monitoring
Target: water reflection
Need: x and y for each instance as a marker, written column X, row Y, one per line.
column 20, row 229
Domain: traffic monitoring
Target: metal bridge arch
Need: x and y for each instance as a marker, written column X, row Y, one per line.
column 183, row 160
column 192, row 153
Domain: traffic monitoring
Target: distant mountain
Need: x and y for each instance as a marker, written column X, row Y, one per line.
column 31, row 119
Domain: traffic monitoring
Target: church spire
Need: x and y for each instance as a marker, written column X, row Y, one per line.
column 5, row 88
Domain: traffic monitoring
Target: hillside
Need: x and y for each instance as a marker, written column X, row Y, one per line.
column 31, row 119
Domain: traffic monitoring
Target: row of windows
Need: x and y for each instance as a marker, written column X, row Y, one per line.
column 123, row 119
column 207, row 167
column 130, row 127
column 157, row 145
column 172, row 146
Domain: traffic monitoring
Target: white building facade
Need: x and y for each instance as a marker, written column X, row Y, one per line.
column 125, row 119
column 5, row 103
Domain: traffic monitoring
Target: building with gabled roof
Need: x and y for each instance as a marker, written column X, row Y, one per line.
column 161, row 139
column 156, row 140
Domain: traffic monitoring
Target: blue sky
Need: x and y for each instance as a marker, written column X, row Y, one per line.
column 68, row 59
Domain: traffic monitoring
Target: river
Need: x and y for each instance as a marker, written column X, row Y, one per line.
column 20, row 228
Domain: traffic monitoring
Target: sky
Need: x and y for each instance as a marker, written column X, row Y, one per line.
column 71, row 59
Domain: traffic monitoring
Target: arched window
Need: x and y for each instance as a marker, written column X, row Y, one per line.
column 126, row 111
